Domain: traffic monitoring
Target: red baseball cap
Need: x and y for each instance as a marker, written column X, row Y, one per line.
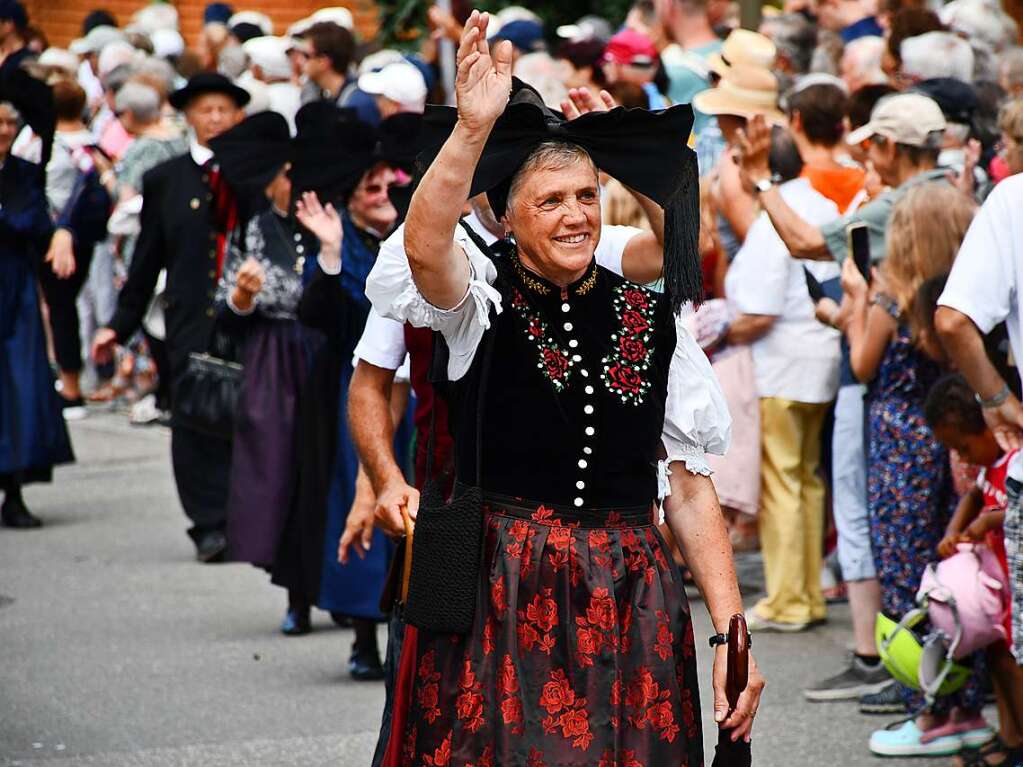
column 631, row 48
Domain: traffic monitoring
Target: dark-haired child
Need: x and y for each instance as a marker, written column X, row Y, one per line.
column 958, row 423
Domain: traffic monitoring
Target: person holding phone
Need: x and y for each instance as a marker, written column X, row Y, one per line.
column 910, row 497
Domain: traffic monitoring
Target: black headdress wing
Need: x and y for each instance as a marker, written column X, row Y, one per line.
column 334, row 148
column 253, row 152
column 647, row 151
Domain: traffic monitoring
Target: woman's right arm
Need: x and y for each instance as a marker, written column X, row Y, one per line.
column 439, row 267
column 868, row 328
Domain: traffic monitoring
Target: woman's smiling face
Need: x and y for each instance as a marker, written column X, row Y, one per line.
column 554, row 215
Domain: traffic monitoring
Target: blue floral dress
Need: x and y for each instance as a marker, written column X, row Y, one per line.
column 909, row 487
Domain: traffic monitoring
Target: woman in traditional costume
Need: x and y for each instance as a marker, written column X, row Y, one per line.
column 569, row 384
column 33, row 437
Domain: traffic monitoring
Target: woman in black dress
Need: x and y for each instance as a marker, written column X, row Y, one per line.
column 582, row 650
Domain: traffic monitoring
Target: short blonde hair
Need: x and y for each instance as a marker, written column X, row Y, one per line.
column 1010, row 119
column 926, row 229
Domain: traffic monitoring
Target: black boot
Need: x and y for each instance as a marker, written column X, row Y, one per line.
column 15, row 514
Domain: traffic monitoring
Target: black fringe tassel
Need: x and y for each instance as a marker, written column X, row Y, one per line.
column 683, row 275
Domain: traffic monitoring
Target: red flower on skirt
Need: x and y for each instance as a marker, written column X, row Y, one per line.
column 508, row 681
column 602, row 612
column 557, row 694
column 665, row 639
column 442, row 756
column 497, row 597
column 543, row 611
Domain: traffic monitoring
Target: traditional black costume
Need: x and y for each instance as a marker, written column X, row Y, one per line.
column 186, row 217
column 581, row 651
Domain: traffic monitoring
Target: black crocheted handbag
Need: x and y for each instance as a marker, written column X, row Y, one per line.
column 447, row 544
column 206, row 394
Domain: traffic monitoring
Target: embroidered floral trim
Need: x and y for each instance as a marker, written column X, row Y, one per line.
column 555, row 362
column 625, row 368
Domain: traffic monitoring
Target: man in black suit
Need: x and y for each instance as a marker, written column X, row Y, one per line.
column 187, row 214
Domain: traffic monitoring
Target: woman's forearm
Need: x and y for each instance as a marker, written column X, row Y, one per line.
column 441, row 272
column 694, row 516
column 747, row 328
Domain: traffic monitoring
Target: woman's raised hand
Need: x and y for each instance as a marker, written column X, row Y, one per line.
column 484, row 79
column 324, row 222
column 581, row 101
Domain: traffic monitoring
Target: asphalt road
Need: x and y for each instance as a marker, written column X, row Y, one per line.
column 118, row 650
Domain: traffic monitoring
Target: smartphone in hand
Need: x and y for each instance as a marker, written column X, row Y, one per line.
column 859, row 248
column 813, row 286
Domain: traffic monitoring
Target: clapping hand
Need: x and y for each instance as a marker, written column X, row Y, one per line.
column 581, row 101
column 484, row 79
column 325, row 224
column 754, row 143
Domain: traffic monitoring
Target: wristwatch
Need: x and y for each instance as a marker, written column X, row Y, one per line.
column 763, row 185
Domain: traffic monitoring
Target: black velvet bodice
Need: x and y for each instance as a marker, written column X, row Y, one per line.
column 574, row 404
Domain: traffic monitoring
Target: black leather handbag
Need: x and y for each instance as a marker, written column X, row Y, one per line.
column 206, row 394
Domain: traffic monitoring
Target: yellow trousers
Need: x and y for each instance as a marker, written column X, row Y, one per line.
column 791, row 517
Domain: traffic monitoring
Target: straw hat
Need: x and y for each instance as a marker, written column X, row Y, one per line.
column 743, row 47
column 744, row 91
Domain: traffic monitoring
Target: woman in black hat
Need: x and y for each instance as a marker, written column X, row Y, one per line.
column 569, row 383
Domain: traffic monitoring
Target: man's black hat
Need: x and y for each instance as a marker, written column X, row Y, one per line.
column 647, row 151
column 252, row 153
column 246, row 31
column 207, row 82
column 957, row 99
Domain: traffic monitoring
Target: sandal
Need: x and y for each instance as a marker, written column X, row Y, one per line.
column 1009, row 757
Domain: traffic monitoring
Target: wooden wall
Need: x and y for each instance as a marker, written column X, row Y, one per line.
column 61, row 20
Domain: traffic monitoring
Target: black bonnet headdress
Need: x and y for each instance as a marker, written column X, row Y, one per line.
column 647, row 151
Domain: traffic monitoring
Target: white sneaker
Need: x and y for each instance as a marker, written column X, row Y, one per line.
column 145, row 411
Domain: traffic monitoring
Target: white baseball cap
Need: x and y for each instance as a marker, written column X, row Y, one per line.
column 400, row 82
column 905, row 118
column 59, row 58
column 97, row 39
column 167, row 42
column 270, row 54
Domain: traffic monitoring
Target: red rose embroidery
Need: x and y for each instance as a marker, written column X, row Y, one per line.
column 534, row 329
column 601, row 612
column 587, row 643
column 519, row 530
column 631, row 349
column 560, row 538
column 442, row 756
column 508, row 682
column 555, row 363
column 557, row 694
column 637, row 299
column 543, row 612
column 574, row 723
column 535, row 758
column 528, row 635
column 497, row 597
column 511, row 710
column 634, row 322
column 624, row 378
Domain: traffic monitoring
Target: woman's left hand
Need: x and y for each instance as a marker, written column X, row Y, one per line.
column 739, row 721
column 61, row 255
column 853, row 283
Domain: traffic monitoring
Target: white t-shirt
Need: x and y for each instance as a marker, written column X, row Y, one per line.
column 798, row 359
column 987, row 273
column 696, row 419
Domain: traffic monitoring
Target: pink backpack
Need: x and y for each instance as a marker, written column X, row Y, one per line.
column 967, row 597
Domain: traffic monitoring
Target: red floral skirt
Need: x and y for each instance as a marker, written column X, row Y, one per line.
column 581, row 652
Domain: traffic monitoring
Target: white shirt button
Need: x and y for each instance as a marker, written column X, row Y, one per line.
column 588, row 450
column 577, row 358
column 573, row 343
column 582, row 463
column 588, row 410
column 578, row 502
column 565, row 307
column 584, row 372
column 590, row 431
column 568, row 326
column 589, row 390
column 580, row 485
column 298, row 237
column 299, row 249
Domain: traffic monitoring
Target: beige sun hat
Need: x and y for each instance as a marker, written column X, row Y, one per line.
column 744, row 91
column 743, row 47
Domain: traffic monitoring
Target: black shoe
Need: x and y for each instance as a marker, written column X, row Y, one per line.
column 211, row 547
column 296, row 623
column 73, row 409
column 888, row 701
column 341, row 620
column 14, row 514
column 365, row 667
